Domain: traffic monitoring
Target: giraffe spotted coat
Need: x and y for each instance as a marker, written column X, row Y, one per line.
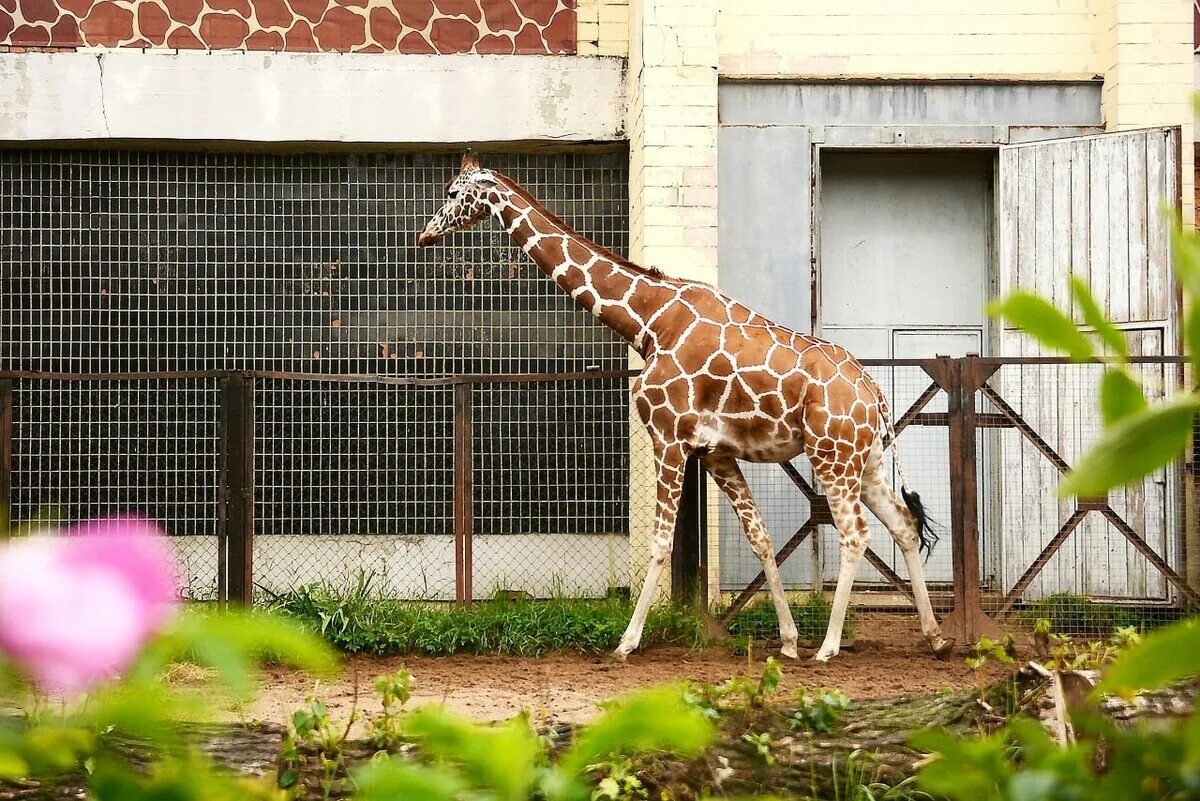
column 725, row 383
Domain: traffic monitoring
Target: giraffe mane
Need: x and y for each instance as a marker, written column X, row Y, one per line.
column 620, row 261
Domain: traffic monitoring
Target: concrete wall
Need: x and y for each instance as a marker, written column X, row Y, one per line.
column 421, row 567
column 264, row 97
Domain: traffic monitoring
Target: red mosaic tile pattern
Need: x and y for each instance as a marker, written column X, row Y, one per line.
column 344, row 26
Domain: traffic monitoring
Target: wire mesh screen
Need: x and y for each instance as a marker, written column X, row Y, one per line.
column 134, row 261
column 551, row 478
column 1055, row 557
column 102, row 448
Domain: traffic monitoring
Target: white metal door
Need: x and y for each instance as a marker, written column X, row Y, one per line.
column 1089, row 205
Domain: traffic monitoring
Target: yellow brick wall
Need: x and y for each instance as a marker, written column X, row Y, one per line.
column 603, row 27
column 927, row 38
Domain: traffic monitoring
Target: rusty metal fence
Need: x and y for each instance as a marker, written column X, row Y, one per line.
column 530, row 483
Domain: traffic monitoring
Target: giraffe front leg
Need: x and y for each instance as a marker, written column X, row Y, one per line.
column 670, row 467
column 729, row 478
column 853, row 536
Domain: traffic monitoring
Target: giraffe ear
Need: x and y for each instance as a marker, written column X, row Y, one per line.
column 470, row 161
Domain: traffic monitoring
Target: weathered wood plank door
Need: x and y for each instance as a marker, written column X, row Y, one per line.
column 1092, row 206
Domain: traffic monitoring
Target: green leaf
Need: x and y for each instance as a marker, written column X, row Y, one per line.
column 499, row 760
column 395, row 780
column 970, row 769
column 652, row 720
column 1037, row 317
column 1191, row 334
column 1133, row 448
column 12, row 766
column 1120, row 395
column 1164, row 656
column 1096, row 318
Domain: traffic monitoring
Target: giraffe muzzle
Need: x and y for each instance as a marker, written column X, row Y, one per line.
column 427, row 237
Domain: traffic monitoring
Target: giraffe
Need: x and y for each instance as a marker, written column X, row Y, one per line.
column 723, row 383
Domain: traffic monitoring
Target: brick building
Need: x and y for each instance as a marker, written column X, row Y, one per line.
column 240, row 181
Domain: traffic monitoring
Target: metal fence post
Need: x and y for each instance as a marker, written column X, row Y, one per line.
column 962, row 377
column 6, row 454
column 464, row 495
column 689, row 555
column 236, row 495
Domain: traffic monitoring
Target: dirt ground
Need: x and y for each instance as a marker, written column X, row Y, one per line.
column 889, row 658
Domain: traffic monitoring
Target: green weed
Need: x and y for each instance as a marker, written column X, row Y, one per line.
column 357, row 618
column 759, row 622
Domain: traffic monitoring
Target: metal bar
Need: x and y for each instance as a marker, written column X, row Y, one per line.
column 6, row 454
column 161, row 375
column 886, row 571
column 237, row 496
column 754, row 586
column 1040, row 562
column 1007, row 411
column 1145, row 550
column 913, row 413
column 967, row 621
column 689, row 555
column 464, row 495
column 800, row 482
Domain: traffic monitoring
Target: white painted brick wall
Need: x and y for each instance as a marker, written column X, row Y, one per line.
column 603, row 27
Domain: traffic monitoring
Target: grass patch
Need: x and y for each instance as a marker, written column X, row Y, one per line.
column 1077, row 615
column 355, row 618
column 758, row 621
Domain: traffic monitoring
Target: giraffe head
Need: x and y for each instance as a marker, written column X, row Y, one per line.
column 465, row 204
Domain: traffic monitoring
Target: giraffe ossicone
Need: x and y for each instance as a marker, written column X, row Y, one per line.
column 724, row 383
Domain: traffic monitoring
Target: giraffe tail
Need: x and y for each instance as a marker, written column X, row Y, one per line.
column 926, row 536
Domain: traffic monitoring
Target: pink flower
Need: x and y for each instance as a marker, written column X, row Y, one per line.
column 76, row 609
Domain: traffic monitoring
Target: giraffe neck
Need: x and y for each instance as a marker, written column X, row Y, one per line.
column 620, row 294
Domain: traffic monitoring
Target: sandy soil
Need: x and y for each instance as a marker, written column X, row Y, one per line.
column 889, row 658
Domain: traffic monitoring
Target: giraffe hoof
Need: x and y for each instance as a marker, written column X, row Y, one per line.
column 824, row 656
column 942, row 650
column 620, row 656
column 789, row 650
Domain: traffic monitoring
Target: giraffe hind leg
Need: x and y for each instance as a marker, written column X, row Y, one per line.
column 732, row 482
column 905, row 526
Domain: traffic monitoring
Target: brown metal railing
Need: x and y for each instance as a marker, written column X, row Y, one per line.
column 963, row 380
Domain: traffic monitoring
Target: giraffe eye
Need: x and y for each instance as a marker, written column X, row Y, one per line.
column 452, row 193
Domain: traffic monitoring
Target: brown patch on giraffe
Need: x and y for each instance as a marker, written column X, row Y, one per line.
column 184, row 39
column 39, row 10
column 782, row 360
column 540, row 11
column 311, row 10
column 577, row 252
column 707, row 391
column 223, row 31
column 385, row 28
column 771, row 404
column 560, row 33
column 239, row 7
column 491, row 45
column 414, row 13
column 740, row 314
column 341, row 30
column 65, row 32
column 299, row 38
column 647, row 300
column 466, row 8
column 678, row 395
column 265, row 40
column 153, row 22
column 701, row 343
column 529, row 40
column 7, row 23
column 414, row 43
column 453, row 35
column 352, row 3
column 501, row 15
column 31, row 36
column 185, row 12
column 720, row 366
column 10, row 7
column 107, row 24
column 619, row 318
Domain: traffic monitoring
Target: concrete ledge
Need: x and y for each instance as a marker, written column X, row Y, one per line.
column 421, row 567
column 284, row 97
